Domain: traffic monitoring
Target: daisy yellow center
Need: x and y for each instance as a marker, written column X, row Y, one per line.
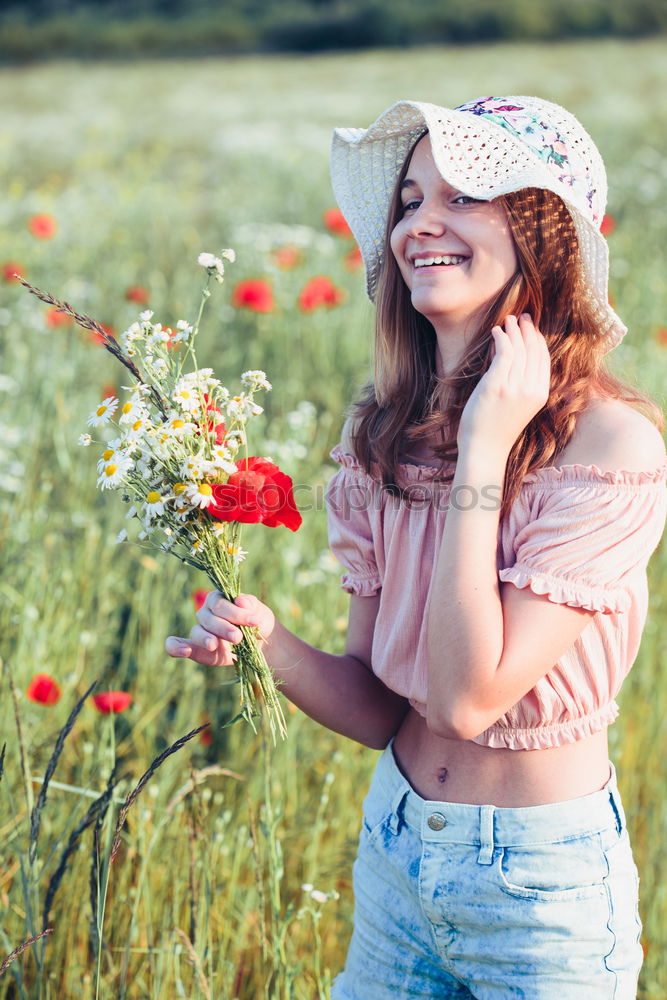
column 127, row 407
column 206, row 490
column 185, row 394
column 196, row 544
column 179, row 488
column 107, row 454
column 178, row 423
column 232, row 549
column 153, row 497
column 101, row 410
column 136, row 425
column 110, row 470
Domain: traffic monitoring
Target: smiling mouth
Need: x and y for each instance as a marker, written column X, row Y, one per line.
column 448, row 260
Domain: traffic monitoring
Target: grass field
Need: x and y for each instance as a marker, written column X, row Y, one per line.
column 143, row 166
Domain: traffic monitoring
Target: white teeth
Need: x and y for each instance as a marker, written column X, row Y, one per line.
column 428, row 261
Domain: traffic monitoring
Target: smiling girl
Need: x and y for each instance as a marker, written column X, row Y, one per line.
column 498, row 498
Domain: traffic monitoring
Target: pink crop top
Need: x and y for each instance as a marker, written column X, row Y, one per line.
column 580, row 536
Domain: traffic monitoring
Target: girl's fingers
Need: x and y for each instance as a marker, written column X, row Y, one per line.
column 221, row 656
column 223, row 628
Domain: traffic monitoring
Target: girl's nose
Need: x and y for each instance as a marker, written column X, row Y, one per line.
column 427, row 220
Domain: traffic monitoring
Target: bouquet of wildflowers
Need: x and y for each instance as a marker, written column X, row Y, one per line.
column 180, row 459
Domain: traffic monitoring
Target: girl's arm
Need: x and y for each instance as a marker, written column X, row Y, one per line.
column 338, row 691
column 489, row 643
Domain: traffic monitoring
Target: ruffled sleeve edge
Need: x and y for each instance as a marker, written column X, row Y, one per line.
column 561, row 590
column 360, row 586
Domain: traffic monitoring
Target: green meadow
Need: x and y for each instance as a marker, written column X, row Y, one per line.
column 142, row 166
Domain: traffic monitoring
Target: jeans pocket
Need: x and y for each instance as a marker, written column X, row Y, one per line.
column 566, row 871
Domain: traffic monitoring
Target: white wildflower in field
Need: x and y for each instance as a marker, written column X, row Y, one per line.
column 255, row 380
column 104, row 412
column 213, row 265
column 243, row 407
column 84, row 440
column 121, row 537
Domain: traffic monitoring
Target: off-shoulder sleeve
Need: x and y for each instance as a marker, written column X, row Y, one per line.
column 592, row 533
column 349, row 498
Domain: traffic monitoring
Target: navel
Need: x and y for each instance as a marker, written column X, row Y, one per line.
column 442, row 775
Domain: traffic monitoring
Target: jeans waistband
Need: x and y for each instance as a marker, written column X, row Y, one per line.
column 487, row 826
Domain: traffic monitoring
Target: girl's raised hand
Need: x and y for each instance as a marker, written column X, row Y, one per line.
column 211, row 641
column 513, row 389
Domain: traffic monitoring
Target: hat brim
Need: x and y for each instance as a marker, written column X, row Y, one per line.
column 472, row 154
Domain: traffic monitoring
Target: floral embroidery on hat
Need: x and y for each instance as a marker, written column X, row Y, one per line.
column 566, row 165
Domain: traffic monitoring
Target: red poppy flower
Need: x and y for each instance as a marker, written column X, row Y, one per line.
column 43, row 226
column 206, row 735
column 109, row 390
column 53, row 317
column 43, row 689
column 137, row 293
column 259, row 493
column 608, row 224
column 199, row 597
column 11, row 268
column 336, row 223
column 319, row 292
column 287, row 257
column 112, row 701
column 353, row 259
column 661, row 336
column 253, row 294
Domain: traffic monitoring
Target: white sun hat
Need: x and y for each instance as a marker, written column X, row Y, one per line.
column 485, row 148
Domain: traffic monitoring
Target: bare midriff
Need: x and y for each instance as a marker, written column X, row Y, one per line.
column 448, row 770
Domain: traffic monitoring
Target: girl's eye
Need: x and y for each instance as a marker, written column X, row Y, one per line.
column 467, row 200
column 411, row 205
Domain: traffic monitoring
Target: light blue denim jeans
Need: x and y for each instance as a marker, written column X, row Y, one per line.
column 458, row 901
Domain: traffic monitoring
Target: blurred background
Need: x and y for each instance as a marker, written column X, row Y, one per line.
column 117, row 28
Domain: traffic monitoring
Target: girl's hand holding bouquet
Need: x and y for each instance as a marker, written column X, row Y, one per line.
column 212, row 641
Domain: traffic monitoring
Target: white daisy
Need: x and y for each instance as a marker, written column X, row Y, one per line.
column 236, row 552
column 104, row 412
column 200, row 495
column 228, row 254
column 219, row 529
column 187, row 396
column 255, row 380
column 146, row 316
column 114, row 472
column 84, row 440
column 177, row 427
column 133, row 409
column 242, row 407
column 154, row 504
column 193, row 467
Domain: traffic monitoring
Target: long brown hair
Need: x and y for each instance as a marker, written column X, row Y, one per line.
column 408, row 402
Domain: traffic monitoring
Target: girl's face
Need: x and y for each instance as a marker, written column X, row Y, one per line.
column 455, row 253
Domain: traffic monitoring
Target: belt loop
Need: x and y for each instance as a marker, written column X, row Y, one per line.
column 485, row 856
column 396, row 814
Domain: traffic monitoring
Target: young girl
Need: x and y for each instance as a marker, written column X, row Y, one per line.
column 499, row 497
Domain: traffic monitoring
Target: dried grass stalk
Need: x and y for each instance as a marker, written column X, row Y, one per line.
column 134, row 794
column 22, row 947
column 194, row 961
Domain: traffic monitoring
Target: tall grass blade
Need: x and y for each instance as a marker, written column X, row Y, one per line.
column 145, row 778
column 35, row 816
column 25, row 765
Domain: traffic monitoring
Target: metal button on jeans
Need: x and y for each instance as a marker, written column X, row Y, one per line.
column 436, row 821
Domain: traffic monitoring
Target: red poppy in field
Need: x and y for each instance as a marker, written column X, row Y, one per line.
column 206, row 735
column 98, row 338
column 43, row 226
column 112, row 701
column 54, row 317
column 43, row 689
column 353, row 259
column 319, row 292
column 254, row 294
column 259, row 493
column 109, row 390
column 287, row 257
column 137, row 293
column 608, row 224
column 335, row 222
column 661, row 336
column 199, row 597
column 10, row 269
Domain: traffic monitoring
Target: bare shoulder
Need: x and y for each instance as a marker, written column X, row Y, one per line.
column 611, row 434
